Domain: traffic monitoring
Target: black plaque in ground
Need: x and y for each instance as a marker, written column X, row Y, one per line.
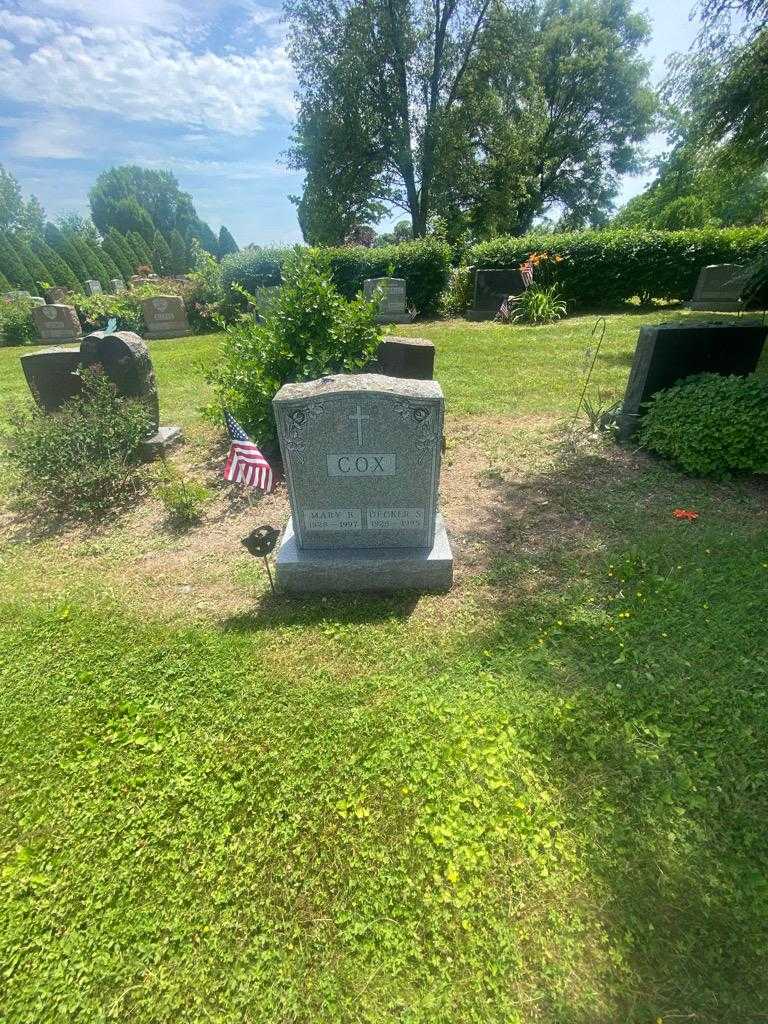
column 412, row 358
column 492, row 287
column 668, row 353
column 52, row 376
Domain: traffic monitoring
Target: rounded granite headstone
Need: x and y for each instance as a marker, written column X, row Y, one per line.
column 52, row 376
column 125, row 359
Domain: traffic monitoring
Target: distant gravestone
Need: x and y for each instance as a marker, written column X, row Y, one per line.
column 165, row 316
column 412, row 358
column 492, row 287
column 668, row 353
column 54, row 295
column 390, row 293
column 15, row 296
column 52, row 376
column 719, row 287
column 57, row 322
column 116, row 285
column 135, row 280
column 93, row 288
column 37, row 300
column 362, row 462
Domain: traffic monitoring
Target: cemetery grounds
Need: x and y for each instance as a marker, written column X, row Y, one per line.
column 539, row 798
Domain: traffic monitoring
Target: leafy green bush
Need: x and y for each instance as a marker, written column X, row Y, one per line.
column 184, row 499
column 95, row 311
column 424, row 263
column 537, row 305
column 710, row 425
column 310, row 331
column 16, row 324
column 457, row 296
column 83, row 457
column 203, row 294
column 603, row 269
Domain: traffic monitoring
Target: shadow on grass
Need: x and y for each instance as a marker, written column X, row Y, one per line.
column 277, row 609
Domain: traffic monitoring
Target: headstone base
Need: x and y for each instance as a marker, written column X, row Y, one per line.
column 480, row 314
column 172, row 332
column 161, row 442
column 429, row 570
column 715, row 306
column 393, row 318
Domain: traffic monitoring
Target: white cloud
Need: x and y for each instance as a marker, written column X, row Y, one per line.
column 26, row 28
column 49, row 136
column 145, row 75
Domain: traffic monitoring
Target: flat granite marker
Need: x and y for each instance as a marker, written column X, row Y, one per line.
column 492, row 287
column 413, row 358
column 392, row 307
column 57, row 322
column 719, row 288
column 165, row 317
column 362, row 462
column 667, row 353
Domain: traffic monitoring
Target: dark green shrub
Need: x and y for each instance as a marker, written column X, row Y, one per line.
column 95, row 311
column 16, row 324
column 310, row 331
column 84, row 457
column 603, row 269
column 710, row 425
column 252, row 269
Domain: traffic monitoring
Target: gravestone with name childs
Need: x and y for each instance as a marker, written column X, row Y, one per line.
column 390, row 294
column 165, row 316
column 93, row 288
column 362, row 463
column 668, row 353
column 57, row 322
column 492, row 287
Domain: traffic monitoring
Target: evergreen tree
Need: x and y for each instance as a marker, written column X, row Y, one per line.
column 32, row 218
column 38, row 271
column 121, row 252
column 13, row 268
column 64, row 246
column 90, row 256
column 5, row 284
column 128, row 216
column 62, row 273
column 206, row 238
column 179, row 261
column 140, row 247
column 161, row 255
column 227, row 244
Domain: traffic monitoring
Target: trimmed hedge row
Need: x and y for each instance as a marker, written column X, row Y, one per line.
column 424, row 263
column 608, row 268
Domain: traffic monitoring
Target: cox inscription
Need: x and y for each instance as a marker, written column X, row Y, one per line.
column 355, row 464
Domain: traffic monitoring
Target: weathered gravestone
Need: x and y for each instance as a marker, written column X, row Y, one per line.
column 390, row 294
column 412, row 358
column 116, row 285
column 165, row 317
column 14, row 296
column 57, row 322
column 55, row 295
column 719, row 287
column 37, row 300
column 667, row 353
column 492, row 287
column 93, row 288
column 362, row 462
column 53, row 378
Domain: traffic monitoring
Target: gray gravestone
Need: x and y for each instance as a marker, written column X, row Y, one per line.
column 14, row 296
column 116, row 285
column 719, row 287
column 37, row 300
column 125, row 359
column 390, row 293
column 412, row 358
column 52, row 376
column 667, row 353
column 93, row 288
column 362, row 462
column 165, row 316
column 492, row 287
column 57, row 322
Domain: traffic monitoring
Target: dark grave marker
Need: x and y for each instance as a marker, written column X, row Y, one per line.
column 492, row 287
column 668, row 353
column 412, row 358
column 52, row 376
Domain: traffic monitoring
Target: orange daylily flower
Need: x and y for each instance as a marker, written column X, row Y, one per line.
column 685, row 513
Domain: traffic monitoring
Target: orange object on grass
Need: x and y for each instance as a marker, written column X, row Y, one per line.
column 685, row 513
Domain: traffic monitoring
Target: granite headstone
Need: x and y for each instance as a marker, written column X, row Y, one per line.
column 667, row 353
column 412, row 358
column 116, row 285
column 57, row 322
column 361, row 455
column 165, row 316
column 52, row 376
column 492, row 287
column 719, row 287
column 93, row 287
column 390, row 294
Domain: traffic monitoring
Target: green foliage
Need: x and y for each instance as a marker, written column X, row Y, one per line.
column 16, row 324
column 161, row 255
column 16, row 214
column 538, row 304
column 457, row 296
column 84, row 457
column 602, row 269
column 710, row 425
column 61, row 273
column 64, row 246
column 178, row 256
column 142, row 252
column 184, row 499
column 204, row 295
column 254, row 268
column 310, row 331
column 13, row 267
column 114, row 245
column 95, row 311
column 227, row 244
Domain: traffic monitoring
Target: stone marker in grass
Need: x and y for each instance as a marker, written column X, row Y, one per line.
column 719, row 288
column 413, row 358
column 116, row 285
column 362, row 463
column 492, row 287
column 57, row 322
column 389, row 292
column 93, row 287
column 165, row 316
column 667, row 353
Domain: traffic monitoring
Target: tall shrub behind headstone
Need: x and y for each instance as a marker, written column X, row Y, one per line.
column 60, row 270
column 141, row 249
column 13, row 267
column 90, row 257
column 112, row 246
column 37, row 269
column 161, row 255
column 179, row 254
column 63, row 245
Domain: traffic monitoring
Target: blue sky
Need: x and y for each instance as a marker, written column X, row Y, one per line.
column 201, row 87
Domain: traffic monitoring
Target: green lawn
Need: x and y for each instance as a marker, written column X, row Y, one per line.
column 542, row 798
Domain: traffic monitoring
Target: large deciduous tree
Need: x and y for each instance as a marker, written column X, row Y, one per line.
column 486, row 113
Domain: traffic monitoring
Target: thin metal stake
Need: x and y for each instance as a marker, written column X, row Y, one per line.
column 269, row 573
column 594, row 360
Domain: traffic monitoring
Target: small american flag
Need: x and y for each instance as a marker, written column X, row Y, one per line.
column 526, row 272
column 245, row 463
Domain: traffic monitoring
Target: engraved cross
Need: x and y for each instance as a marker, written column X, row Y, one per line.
column 358, row 418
